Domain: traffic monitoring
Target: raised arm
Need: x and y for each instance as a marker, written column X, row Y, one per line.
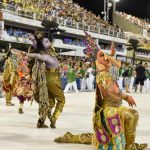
column 102, row 57
column 113, row 61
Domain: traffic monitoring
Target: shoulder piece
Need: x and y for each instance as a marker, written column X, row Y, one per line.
column 51, row 51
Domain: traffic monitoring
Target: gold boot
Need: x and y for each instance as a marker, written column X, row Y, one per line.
column 54, row 117
column 10, row 104
column 8, row 97
column 131, row 130
column 41, row 124
column 141, row 146
column 131, row 120
column 53, row 123
column 85, row 138
column 130, row 147
column 20, row 111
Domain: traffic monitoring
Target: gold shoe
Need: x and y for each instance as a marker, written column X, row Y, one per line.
column 41, row 124
column 53, row 123
column 20, row 111
column 131, row 147
column 141, row 146
column 10, row 104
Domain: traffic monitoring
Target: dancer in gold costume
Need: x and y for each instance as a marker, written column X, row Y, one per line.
column 46, row 78
column 9, row 77
column 114, row 125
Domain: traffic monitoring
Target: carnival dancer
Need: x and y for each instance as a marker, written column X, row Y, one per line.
column 114, row 125
column 46, row 79
column 1, row 74
column 23, row 89
column 10, row 77
column 1, row 87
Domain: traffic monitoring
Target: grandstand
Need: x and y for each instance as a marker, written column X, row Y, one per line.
column 19, row 18
column 132, row 24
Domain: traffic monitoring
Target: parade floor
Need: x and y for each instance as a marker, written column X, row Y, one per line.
column 19, row 132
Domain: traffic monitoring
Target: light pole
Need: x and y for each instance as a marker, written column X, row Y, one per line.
column 107, row 6
column 114, row 9
column 105, row 10
column 114, row 5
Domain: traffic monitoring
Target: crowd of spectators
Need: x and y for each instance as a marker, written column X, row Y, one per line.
column 140, row 22
column 128, row 74
column 81, row 73
column 118, row 48
column 77, row 42
column 77, row 72
column 80, row 42
column 17, row 33
column 21, row 33
column 143, row 53
column 59, row 8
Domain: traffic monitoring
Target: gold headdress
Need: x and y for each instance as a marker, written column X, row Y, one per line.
column 39, row 35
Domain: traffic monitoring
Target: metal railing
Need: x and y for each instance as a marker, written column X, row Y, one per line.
column 61, row 21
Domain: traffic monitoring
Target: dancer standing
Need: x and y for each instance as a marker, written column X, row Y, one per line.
column 46, row 79
column 9, row 77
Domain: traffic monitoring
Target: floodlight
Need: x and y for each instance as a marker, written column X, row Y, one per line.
column 116, row 0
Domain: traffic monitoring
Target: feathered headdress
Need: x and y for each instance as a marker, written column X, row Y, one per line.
column 92, row 48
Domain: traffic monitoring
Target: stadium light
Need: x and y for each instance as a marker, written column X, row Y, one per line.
column 116, row 1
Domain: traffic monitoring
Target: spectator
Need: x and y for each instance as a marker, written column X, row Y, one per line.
column 147, row 81
column 71, row 79
column 129, row 73
column 140, row 77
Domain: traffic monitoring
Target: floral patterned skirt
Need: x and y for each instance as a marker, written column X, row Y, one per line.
column 23, row 89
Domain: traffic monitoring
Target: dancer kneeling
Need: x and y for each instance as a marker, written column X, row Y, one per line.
column 114, row 125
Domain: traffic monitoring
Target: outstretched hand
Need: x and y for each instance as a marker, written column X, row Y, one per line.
column 24, row 53
column 17, row 52
column 131, row 101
